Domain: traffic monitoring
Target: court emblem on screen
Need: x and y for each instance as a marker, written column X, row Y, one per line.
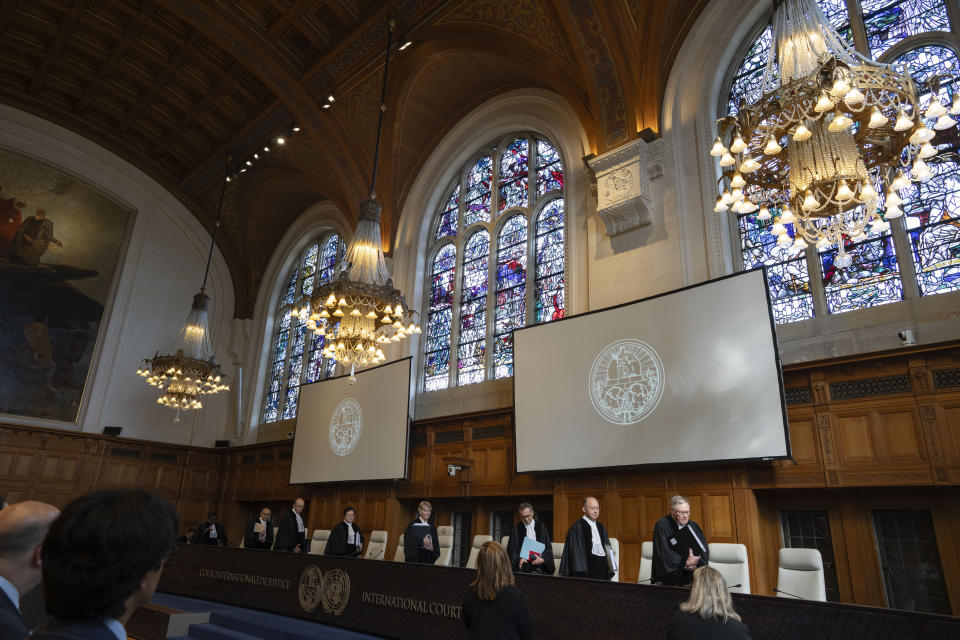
column 346, row 423
column 311, row 588
column 336, row 591
column 626, row 381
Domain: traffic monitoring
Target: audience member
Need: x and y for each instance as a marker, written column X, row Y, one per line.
column 494, row 608
column 679, row 546
column 210, row 532
column 345, row 538
column 292, row 534
column 420, row 540
column 708, row 614
column 587, row 545
column 530, row 527
column 22, row 529
column 259, row 531
column 102, row 559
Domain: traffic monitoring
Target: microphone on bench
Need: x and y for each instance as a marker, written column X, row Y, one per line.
column 792, row 595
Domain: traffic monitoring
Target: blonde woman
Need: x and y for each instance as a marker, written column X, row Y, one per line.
column 420, row 543
column 494, row 608
column 708, row 614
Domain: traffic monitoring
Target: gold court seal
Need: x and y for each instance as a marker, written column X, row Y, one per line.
column 311, row 588
column 336, row 591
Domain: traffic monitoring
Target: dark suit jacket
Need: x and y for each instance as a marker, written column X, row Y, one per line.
column 200, row 537
column 251, row 539
column 74, row 631
column 506, row 618
column 287, row 535
column 687, row 626
column 11, row 622
column 516, row 543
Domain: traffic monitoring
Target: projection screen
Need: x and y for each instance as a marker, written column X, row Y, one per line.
column 354, row 431
column 691, row 375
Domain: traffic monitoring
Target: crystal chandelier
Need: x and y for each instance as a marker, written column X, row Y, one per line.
column 833, row 131
column 187, row 369
column 359, row 309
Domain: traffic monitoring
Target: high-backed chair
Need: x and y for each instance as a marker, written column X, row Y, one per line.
column 616, row 556
column 399, row 556
column 445, row 530
column 557, row 555
column 504, row 541
column 800, row 573
column 377, row 547
column 731, row 561
column 273, row 545
column 446, row 550
column 318, row 542
column 646, row 562
column 475, row 550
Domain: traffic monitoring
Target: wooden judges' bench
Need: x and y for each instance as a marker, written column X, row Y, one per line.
column 397, row 600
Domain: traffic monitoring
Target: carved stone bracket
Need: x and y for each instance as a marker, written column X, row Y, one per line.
column 624, row 198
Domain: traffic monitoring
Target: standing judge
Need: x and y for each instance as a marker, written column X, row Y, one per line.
column 587, row 545
column 345, row 538
column 420, row 540
column 210, row 532
column 291, row 534
column 530, row 527
column 679, row 546
column 22, row 528
column 259, row 531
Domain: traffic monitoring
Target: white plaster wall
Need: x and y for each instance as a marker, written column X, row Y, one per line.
column 161, row 268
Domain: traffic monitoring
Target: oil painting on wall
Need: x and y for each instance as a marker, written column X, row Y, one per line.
column 60, row 241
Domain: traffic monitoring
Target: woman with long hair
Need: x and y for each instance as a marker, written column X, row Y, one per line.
column 708, row 614
column 494, row 608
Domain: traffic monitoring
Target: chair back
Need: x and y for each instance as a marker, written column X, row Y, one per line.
column 646, row 562
column 801, row 573
column 399, row 556
column 616, row 556
column 446, row 550
column 504, row 541
column 475, row 550
column 731, row 561
column 557, row 555
column 318, row 542
column 377, row 547
column 445, row 530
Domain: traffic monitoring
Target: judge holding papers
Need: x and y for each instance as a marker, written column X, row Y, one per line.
column 587, row 552
column 529, row 548
column 259, row 533
column 679, row 546
column 420, row 543
column 345, row 538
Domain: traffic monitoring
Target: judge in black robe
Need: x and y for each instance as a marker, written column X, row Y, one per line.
column 202, row 533
column 672, row 563
column 578, row 559
column 255, row 540
column 420, row 541
column 547, row 566
column 291, row 534
column 338, row 544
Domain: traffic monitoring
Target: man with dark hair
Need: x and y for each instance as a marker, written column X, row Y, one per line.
column 102, row 559
column 292, row 532
column 259, row 531
column 22, row 528
column 530, row 527
column 210, row 532
column 345, row 537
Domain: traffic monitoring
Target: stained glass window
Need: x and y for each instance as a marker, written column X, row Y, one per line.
column 873, row 279
column 295, row 353
column 888, row 22
column 932, row 216
column 488, row 310
column 436, row 368
column 513, row 174
column 471, row 353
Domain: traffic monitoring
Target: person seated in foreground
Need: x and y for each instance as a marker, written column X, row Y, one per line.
column 679, row 546
column 345, row 538
column 708, row 613
column 587, row 545
column 210, row 532
column 291, row 535
column 420, row 543
column 494, row 608
column 102, row 559
column 22, row 529
column 259, row 531
column 530, row 527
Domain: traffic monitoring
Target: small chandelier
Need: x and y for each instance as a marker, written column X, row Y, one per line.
column 187, row 369
column 359, row 309
column 834, row 132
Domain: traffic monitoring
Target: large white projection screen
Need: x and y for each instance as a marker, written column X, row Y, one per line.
column 688, row 376
column 353, row 431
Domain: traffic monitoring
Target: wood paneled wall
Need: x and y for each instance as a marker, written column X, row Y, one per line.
column 857, row 425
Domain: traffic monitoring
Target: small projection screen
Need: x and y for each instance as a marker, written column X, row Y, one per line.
column 356, row 431
column 687, row 376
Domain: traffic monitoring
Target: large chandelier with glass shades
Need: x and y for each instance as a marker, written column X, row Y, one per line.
column 359, row 310
column 830, row 134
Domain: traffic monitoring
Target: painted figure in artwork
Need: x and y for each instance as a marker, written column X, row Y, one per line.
column 32, row 240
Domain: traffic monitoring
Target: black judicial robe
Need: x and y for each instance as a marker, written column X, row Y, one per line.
column 287, row 535
column 516, row 543
column 670, row 552
column 577, row 561
column 337, row 542
column 202, row 536
column 11, row 622
column 251, row 539
column 413, row 550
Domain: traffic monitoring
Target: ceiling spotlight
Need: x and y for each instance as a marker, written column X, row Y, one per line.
column 281, row 140
column 326, row 106
column 228, row 178
column 256, row 156
column 331, row 98
column 295, row 128
column 406, row 43
column 249, row 164
column 266, row 149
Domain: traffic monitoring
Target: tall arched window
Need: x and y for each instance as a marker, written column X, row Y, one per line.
column 920, row 255
column 296, row 355
column 510, row 217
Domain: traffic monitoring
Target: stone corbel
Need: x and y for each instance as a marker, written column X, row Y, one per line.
column 622, row 180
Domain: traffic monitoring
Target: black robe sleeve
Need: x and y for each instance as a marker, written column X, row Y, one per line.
column 514, row 544
column 287, row 532
column 574, row 559
column 413, row 542
column 250, row 537
column 667, row 562
column 337, row 542
column 549, row 566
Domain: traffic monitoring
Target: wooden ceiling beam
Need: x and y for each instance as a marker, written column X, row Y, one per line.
column 65, row 30
column 132, row 33
column 345, row 10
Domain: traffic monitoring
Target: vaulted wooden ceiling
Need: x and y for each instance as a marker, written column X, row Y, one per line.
column 173, row 86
